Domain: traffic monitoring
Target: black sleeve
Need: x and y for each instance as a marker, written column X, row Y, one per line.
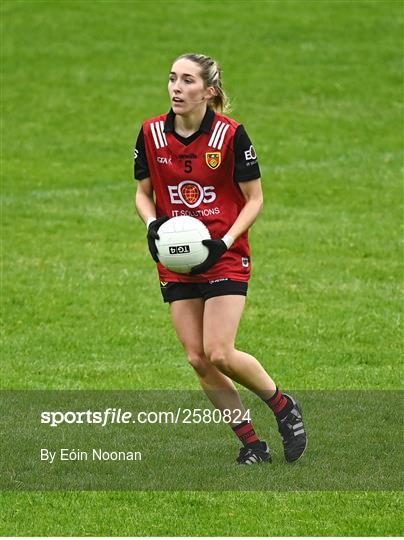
column 245, row 159
column 141, row 167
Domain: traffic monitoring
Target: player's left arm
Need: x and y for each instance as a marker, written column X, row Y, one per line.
column 252, row 191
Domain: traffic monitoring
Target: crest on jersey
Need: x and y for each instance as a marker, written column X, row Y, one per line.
column 213, row 159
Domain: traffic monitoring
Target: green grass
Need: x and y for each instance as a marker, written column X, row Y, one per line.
column 318, row 85
column 202, row 514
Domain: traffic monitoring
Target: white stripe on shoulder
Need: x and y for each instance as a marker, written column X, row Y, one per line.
column 217, row 126
column 219, row 147
column 218, row 133
column 154, row 136
column 162, row 133
column 158, row 130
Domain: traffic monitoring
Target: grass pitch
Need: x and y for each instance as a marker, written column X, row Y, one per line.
column 318, row 86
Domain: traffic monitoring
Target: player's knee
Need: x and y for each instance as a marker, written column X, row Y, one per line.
column 219, row 357
column 198, row 361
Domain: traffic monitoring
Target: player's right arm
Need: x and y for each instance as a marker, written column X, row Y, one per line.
column 144, row 201
column 146, row 209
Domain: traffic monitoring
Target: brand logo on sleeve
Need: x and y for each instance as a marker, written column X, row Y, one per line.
column 250, row 154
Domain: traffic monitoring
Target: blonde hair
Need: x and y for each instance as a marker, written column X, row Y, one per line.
column 211, row 74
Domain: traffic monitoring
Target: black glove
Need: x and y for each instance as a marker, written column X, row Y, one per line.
column 152, row 235
column 216, row 250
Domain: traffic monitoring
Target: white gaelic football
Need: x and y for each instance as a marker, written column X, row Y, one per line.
column 180, row 246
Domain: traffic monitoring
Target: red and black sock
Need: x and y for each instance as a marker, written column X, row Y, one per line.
column 246, row 433
column 279, row 403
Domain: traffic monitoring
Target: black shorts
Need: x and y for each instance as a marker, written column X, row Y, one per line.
column 173, row 291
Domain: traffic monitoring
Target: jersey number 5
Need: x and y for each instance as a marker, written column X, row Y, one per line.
column 188, row 166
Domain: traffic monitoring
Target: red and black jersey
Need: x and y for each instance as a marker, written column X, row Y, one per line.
column 198, row 176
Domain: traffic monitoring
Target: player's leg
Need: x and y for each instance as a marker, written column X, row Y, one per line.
column 187, row 316
column 222, row 315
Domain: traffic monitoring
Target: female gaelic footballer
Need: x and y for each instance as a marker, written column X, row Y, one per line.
column 196, row 161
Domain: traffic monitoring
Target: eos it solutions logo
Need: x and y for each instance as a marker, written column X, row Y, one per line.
column 250, row 154
column 191, row 193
